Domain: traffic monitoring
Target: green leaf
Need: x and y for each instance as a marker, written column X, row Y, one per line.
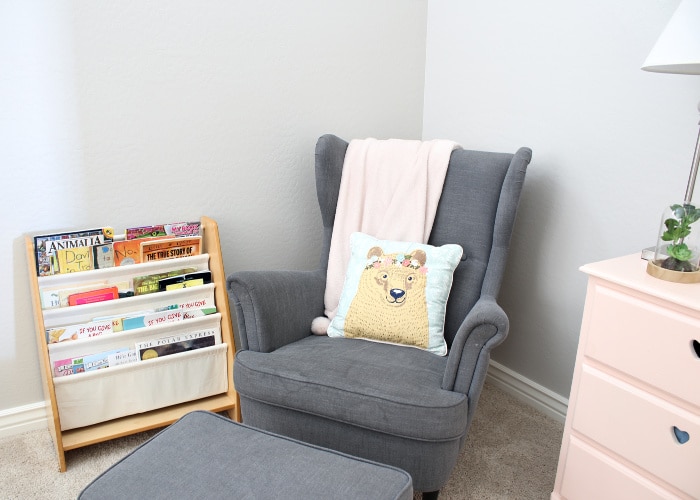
column 671, row 229
column 680, row 251
column 693, row 216
column 678, row 211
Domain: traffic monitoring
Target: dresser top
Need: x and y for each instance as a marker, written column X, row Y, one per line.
column 630, row 271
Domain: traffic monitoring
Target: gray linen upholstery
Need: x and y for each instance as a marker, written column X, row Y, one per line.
column 204, row 455
column 392, row 404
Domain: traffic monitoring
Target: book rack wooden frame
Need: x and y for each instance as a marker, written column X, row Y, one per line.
column 131, row 424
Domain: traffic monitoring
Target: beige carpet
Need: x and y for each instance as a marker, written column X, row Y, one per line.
column 511, row 453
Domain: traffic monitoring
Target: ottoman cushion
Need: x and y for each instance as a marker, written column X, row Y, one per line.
column 205, row 455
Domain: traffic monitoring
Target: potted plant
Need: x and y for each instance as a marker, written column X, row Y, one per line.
column 677, row 255
column 677, row 229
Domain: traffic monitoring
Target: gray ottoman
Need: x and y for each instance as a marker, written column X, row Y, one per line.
column 204, row 455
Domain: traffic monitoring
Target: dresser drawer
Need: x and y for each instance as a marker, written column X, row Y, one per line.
column 649, row 342
column 640, row 428
column 590, row 474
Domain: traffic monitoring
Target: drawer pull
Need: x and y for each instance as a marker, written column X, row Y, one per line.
column 681, row 436
column 696, row 348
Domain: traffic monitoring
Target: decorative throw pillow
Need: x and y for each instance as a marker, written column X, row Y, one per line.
column 396, row 292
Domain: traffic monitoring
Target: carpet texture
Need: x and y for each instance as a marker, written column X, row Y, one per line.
column 511, row 453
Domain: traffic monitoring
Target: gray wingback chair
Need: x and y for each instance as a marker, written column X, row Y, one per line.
column 396, row 405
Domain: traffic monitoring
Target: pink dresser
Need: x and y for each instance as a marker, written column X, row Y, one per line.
column 633, row 423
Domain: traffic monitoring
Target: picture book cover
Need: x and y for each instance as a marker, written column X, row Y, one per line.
column 63, row 367
column 72, row 260
column 169, row 249
column 103, row 256
column 196, row 313
column 152, row 319
column 177, row 343
column 79, row 331
column 174, row 229
column 150, row 283
column 102, row 294
column 118, row 319
column 78, row 365
column 100, row 360
column 124, row 357
column 202, row 303
column 185, row 281
column 46, row 246
column 127, row 252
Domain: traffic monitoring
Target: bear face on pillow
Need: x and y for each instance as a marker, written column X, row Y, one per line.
column 396, row 292
column 390, row 299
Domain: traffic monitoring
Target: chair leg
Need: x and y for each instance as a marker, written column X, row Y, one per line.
column 430, row 495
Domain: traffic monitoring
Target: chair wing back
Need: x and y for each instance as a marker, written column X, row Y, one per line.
column 476, row 210
column 330, row 155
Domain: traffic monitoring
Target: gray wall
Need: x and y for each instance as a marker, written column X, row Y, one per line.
column 148, row 111
column 612, row 145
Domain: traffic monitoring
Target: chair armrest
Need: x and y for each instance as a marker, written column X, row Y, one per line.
column 275, row 308
column 485, row 327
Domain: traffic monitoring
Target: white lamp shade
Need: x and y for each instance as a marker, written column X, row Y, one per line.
column 678, row 48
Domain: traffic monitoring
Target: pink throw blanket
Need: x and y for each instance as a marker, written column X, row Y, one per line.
column 389, row 189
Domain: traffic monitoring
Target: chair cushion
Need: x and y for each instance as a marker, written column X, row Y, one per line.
column 383, row 387
column 204, row 455
column 396, row 291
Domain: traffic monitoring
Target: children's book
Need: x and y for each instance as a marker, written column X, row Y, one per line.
column 103, row 256
column 196, row 313
column 63, row 367
column 185, row 281
column 127, row 252
column 122, row 358
column 176, row 343
column 100, row 360
column 78, row 365
column 202, row 303
column 102, row 294
column 46, row 246
column 71, row 260
column 150, row 283
column 79, row 331
column 175, row 229
column 152, row 319
column 170, row 249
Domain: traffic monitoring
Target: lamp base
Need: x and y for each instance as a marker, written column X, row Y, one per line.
column 675, row 276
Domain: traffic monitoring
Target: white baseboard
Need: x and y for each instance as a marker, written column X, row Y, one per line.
column 33, row 416
column 22, row 419
column 540, row 398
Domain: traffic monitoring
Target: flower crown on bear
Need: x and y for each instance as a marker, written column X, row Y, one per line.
column 398, row 260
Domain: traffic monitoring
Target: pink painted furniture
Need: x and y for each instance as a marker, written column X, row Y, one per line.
column 633, row 423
